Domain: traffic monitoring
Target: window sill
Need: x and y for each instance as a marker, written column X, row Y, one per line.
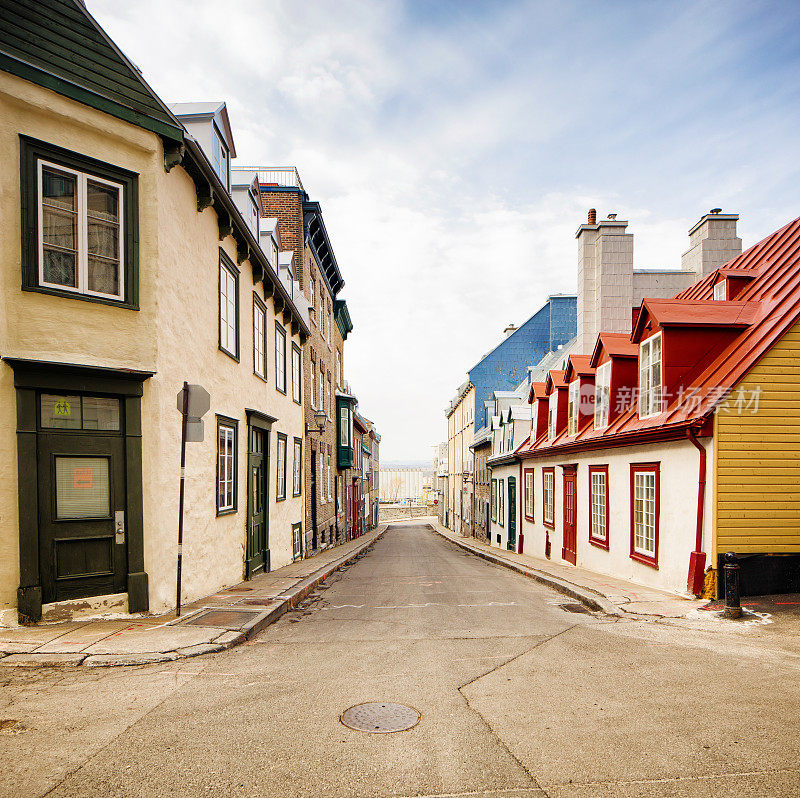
column 645, row 560
column 226, row 352
column 280, row 499
column 260, row 377
column 549, row 524
column 232, row 511
column 99, row 300
column 280, row 391
column 601, row 544
column 530, row 518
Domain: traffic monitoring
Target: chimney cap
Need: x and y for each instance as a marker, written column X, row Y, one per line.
column 715, row 210
column 612, row 216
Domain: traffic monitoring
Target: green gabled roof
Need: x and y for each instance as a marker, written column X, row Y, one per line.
column 58, row 45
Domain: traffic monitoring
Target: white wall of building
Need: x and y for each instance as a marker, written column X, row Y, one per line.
column 679, row 463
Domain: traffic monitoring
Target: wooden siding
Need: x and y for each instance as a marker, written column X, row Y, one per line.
column 757, row 459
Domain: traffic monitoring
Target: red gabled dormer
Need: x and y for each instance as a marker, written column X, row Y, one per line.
column 678, row 338
column 615, row 360
column 727, row 284
column 537, row 397
column 556, row 389
column 579, row 376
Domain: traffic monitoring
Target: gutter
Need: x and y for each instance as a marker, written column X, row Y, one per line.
column 697, row 559
column 255, row 253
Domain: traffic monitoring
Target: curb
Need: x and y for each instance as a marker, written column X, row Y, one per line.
column 287, row 601
column 589, row 598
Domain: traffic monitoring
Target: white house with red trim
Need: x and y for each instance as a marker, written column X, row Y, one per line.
column 652, row 455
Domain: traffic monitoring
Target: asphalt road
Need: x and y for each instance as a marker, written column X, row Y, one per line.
column 518, row 697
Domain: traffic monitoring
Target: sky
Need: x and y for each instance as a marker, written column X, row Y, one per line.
column 456, row 146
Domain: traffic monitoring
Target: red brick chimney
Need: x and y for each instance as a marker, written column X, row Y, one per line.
column 592, row 216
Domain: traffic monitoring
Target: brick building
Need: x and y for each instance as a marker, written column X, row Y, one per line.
column 314, row 270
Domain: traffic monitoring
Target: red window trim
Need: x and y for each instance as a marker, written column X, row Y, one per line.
column 599, row 542
column 529, row 507
column 656, row 469
column 549, row 524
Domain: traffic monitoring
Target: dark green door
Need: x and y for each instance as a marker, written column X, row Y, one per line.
column 257, row 533
column 81, row 506
column 512, row 514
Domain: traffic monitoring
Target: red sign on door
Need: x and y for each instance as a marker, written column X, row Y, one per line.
column 82, row 477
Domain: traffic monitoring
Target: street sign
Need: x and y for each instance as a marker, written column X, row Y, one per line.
column 199, row 401
column 194, row 430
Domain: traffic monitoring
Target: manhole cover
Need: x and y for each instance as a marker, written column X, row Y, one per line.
column 380, row 718
column 225, row 619
column 574, row 608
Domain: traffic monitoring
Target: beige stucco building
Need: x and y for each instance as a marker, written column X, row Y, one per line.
column 126, row 268
column 460, row 460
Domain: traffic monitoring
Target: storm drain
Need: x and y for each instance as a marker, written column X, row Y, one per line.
column 380, row 718
column 574, row 608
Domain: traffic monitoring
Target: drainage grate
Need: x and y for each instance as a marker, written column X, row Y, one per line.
column 225, row 619
column 380, row 718
column 574, row 608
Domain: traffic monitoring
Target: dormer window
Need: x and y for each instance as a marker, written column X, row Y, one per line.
column 252, row 216
column 721, row 290
column 220, row 158
column 552, row 414
column 602, row 395
column 573, row 408
column 650, row 387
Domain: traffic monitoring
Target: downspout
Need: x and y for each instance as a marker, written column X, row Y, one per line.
column 697, row 559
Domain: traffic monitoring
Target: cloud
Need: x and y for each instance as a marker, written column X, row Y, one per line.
column 455, row 148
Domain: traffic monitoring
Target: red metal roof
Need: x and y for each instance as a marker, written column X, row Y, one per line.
column 555, row 379
column 578, row 364
column 774, row 299
column 694, row 313
column 538, row 391
column 616, row 344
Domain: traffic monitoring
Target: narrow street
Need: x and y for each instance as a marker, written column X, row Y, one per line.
column 518, row 697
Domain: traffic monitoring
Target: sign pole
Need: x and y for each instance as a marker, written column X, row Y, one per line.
column 184, row 421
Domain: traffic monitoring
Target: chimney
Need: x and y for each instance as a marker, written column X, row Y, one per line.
column 712, row 243
column 508, row 330
column 592, row 216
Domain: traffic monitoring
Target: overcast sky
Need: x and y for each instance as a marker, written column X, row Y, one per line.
column 455, row 147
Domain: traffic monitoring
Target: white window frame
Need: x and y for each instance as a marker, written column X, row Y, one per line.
column 645, row 485
column 602, row 395
column 280, row 359
column 321, row 387
column 338, row 368
column 297, row 465
column 650, row 377
column 220, row 157
column 552, row 415
column 280, row 464
column 313, row 380
column 598, row 482
column 721, row 291
column 328, row 397
column 228, row 309
column 259, row 340
column 549, row 499
column 226, row 467
column 572, row 420
column 82, row 231
column 321, row 476
column 297, row 375
column 254, row 215
column 344, row 426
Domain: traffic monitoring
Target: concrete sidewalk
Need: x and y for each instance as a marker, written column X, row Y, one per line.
column 211, row 624
column 596, row 591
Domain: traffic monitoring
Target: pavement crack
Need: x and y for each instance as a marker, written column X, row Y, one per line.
column 517, row 656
